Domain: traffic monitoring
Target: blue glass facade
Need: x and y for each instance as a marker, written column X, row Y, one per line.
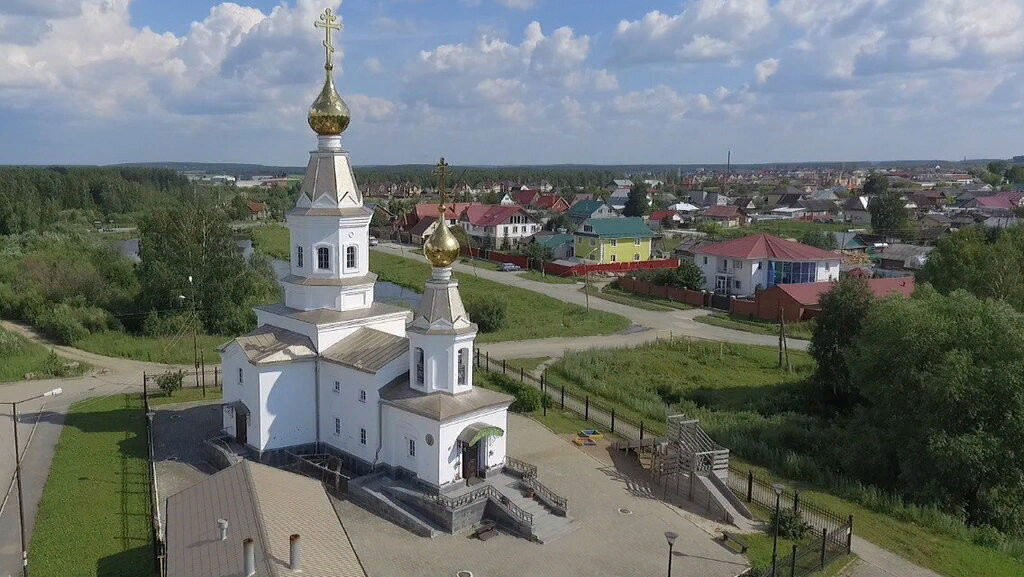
column 790, row 272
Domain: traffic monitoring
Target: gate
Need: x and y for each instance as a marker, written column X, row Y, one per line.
column 720, row 301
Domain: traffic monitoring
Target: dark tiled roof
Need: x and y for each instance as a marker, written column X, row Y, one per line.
column 440, row 406
column 269, row 344
column 321, row 316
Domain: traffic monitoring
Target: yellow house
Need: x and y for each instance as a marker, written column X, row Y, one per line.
column 608, row 240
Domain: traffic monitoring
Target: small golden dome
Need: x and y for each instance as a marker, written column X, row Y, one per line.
column 442, row 248
column 329, row 115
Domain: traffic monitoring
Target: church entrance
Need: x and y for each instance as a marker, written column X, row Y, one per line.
column 241, row 430
column 474, row 440
column 470, row 461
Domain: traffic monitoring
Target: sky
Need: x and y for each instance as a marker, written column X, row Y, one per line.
column 514, row 81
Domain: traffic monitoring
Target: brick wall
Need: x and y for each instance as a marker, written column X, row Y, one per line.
column 679, row 295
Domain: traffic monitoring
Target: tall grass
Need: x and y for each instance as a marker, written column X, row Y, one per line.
column 19, row 356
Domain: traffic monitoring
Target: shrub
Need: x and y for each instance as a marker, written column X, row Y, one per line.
column 487, row 312
column 791, row 524
column 10, row 344
column 62, row 325
column 528, row 399
column 164, row 325
column 170, row 381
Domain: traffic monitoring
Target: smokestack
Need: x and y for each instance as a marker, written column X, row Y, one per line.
column 249, row 557
column 294, row 560
column 223, row 524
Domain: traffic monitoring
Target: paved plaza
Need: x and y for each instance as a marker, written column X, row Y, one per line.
column 607, row 541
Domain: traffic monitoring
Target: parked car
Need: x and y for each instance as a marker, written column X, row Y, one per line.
column 374, row 241
column 508, row 267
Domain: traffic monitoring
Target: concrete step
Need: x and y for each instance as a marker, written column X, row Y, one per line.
column 398, row 509
column 553, row 527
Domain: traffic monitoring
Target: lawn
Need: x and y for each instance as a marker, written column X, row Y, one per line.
column 94, row 517
column 527, row 365
column 186, row 394
column 476, row 262
column 530, row 315
column 154, row 349
column 646, row 302
column 272, row 240
column 21, row 356
column 548, row 278
column 798, row 330
column 760, row 554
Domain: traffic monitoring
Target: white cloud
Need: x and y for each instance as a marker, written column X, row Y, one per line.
column 373, row 65
column 371, row 108
column 765, row 69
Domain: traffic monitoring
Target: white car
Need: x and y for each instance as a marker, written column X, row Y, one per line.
column 508, row 267
column 374, row 241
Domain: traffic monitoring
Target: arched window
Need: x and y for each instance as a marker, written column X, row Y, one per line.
column 419, row 366
column 323, row 258
column 350, row 257
column 463, row 362
column 298, row 256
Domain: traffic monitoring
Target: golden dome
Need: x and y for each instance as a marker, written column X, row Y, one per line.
column 442, row 248
column 329, row 115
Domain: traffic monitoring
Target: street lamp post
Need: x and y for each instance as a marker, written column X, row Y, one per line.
column 671, row 537
column 17, row 473
column 777, row 487
column 586, row 276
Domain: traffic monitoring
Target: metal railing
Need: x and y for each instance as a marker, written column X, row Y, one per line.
column 521, row 468
column 484, row 492
column 546, row 494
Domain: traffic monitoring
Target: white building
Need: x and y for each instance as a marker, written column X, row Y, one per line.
column 331, row 368
column 742, row 266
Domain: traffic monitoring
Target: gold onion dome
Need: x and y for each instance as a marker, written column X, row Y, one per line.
column 442, row 248
column 329, row 114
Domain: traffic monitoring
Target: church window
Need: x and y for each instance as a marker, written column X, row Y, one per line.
column 337, row 426
column 350, row 257
column 362, row 436
column 412, row 447
column 463, row 357
column 362, row 396
column 298, row 256
column 240, row 376
column 419, row 366
column 323, row 258
column 337, row 386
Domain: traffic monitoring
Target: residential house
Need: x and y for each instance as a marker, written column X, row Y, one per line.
column 507, row 200
column 527, row 197
column 258, row 210
column 784, row 200
column 688, row 246
column 905, row 257
column 551, row 203
column 789, row 212
column 743, row 266
column 826, row 193
column 684, row 208
column 422, row 210
column 561, row 244
column 850, row 242
column 855, row 210
column 727, row 216
column 799, row 302
column 657, row 219
column 995, row 205
column 587, row 209
column 422, row 230
column 619, row 185
column 818, row 209
column 496, row 226
column 608, row 240
column 745, row 203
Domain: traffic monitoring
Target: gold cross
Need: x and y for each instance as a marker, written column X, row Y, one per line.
column 442, row 169
column 328, row 21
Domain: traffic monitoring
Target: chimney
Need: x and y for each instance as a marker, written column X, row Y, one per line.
column 294, row 559
column 223, row 524
column 249, row 557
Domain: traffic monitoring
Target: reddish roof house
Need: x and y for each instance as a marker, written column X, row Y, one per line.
column 551, row 203
column 257, row 210
column 527, row 197
column 745, row 265
column 657, row 218
column 727, row 215
column 497, row 226
column 993, row 204
column 422, row 210
column 800, row 302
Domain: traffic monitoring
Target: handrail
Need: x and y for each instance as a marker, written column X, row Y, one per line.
column 525, row 469
column 545, row 493
column 485, row 491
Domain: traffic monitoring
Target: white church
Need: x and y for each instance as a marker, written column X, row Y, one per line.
column 385, row 387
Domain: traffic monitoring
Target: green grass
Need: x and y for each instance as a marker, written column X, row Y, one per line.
column 530, row 315
column 799, row 330
column 623, row 299
column 186, row 394
column 760, row 554
column 527, row 365
column 21, row 356
column 94, row 517
column 153, row 349
column 548, row 278
column 272, row 240
column 609, row 292
column 477, row 262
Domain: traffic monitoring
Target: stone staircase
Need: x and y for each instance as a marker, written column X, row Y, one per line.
column 547, row 526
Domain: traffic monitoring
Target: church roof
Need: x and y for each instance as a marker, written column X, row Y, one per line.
column 327, row 316
column 270, row 344
column 440, row 406
column 266, row 505
column 343, row 212
column 441, row 310
column 367, row 350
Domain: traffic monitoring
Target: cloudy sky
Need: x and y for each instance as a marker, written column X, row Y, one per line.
column 514, row 81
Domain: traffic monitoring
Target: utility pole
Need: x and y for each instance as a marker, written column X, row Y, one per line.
column 195, row 339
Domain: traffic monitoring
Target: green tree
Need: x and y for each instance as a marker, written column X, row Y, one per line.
column 942, row 377
column 712, row 229
column 194, row 240
column 819, row 238
column 170, row 381
column 987, row 266
column 889, row 215
column 997, row 167
column 637, row 203
column 876, row 184
column 1015, row 174
column 466, row 242
column 842, row 311
column 537, row 253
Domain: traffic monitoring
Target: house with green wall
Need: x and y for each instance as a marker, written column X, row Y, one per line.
column 608, row 240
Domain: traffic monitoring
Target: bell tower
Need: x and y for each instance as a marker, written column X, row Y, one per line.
column 329, row 225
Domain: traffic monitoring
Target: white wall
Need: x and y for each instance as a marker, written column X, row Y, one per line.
column 399, row 427
column 248, row 391
column 337, row 234
column 827, row 270
column 287, row 404
column 440, row 368
column 450, row 455
column 345, row 405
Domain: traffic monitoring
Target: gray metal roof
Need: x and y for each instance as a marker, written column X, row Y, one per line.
column 270, row 344
column 324, row 316
column 441, row 310
column 367, row 350
column 267, row 505
column 440, row 406
column 365, row 279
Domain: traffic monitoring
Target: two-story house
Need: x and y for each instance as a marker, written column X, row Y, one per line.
column 587, row 209
column 608, row 240
column 742, row 266
column 497, row 226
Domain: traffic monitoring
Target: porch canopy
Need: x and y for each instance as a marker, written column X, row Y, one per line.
column 238, row 406
column 472, row 434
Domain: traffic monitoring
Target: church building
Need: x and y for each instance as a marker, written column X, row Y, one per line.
column 385, row 388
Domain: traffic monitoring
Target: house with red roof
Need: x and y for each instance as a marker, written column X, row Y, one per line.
column 551, row 203
column 257, row 210
column 497, row 226
column 800, row 302
column 745, row 265
column 423, row 210
column 658, row 218
column 527, row 197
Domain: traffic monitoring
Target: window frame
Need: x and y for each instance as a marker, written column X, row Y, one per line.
column 337, row 386
column 412, row 448
column 419, row 360
column 362, row 436
column 637, row 241
column 241, row 376
column 636, row 256
column 351, row 257
column 615, row 242
column 362, row 395
column 337, row 426
column 323, row 252
column 299, row 260
column 462, row 362
column 613, row 258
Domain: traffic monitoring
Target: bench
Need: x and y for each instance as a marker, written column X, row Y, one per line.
column 486, row 530
column 727, row 537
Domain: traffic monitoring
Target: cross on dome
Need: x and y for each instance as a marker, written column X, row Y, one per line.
column 328, row 21
column 442, row 248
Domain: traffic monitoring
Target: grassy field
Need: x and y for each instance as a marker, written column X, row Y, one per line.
column 610, row 293
column 153, row 349
column 186, row 394
column 760, row 554
column 272, row 240
column 94, row 517
column 794, row 228
column 548, row 278
column 526, row 364
column 530, row 315
column 477, row 262
column 800, row 330
column 21, row 356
